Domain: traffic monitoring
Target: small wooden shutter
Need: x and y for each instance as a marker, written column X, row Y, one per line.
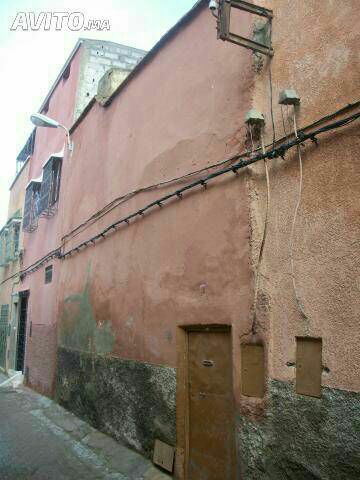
column 27, row 208
column 45, row 190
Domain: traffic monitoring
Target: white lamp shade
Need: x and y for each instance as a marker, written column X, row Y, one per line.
column 42, row 121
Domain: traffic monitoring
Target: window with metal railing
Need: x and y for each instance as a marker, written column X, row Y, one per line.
column 32, row 206
column 4, row 246
column 50, row 185
column 9, row 241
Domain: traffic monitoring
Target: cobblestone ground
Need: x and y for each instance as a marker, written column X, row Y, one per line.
column 39, row 440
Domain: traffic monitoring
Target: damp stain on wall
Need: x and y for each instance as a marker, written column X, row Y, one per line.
column 79, row 329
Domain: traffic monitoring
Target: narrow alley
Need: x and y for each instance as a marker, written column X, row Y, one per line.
column 39, row 440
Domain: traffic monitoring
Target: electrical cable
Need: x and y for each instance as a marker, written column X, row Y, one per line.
column 119, row 200
column 252, row 140
column 261, row 251
column 268, row 196
column 283, row 122
column 291, row 242
column 270, row 154
column 123, row 198
column 53, row 254
column 271, row 91
column 278, row 152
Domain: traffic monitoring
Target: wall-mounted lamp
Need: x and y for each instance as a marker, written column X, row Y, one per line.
column 213, row 6
column 40, row 120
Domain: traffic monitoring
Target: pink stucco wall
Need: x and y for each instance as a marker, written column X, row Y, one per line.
column 187, row 264
column 319, row 58
column 191, row 262
column 41, row 346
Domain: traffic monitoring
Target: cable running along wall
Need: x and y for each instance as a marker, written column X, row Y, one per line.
column 279, row 151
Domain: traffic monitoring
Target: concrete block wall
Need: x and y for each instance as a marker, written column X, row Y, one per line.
column 98, row 57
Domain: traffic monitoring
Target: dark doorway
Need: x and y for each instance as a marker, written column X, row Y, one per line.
column 21, row 336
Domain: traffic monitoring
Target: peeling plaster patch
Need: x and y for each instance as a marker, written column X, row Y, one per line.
column 78, row 327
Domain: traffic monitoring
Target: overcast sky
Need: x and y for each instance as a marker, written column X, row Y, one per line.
column 31, row 60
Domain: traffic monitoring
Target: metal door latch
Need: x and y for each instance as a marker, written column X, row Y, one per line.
column 208, row 363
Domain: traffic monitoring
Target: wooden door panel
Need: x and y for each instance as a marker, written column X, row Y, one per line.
column 211, row 416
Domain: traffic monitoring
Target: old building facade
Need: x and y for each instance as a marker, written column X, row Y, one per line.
column 34, row 224
column 148, row 296
column 12, row 331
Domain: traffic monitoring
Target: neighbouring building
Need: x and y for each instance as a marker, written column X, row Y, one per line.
column 12, row 329
column 157, row 307
column 34, row 198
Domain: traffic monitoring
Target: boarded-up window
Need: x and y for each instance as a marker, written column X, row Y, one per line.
column 50, row 185
column 252, row 370
column 308, row 366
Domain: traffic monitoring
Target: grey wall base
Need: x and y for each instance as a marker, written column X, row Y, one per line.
column 132, row 401
column 303, row 438
column 300, row 438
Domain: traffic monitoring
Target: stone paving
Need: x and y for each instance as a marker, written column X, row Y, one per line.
column 39, row 440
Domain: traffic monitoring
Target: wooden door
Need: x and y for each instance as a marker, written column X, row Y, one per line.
column 211, row 443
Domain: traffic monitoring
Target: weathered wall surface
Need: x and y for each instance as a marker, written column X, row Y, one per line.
column 316, row 52
column 121, row 302
column 133, row 401
column 302, row 437
column 183, row 265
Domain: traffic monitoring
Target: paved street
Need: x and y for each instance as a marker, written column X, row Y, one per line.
column 39, row 440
